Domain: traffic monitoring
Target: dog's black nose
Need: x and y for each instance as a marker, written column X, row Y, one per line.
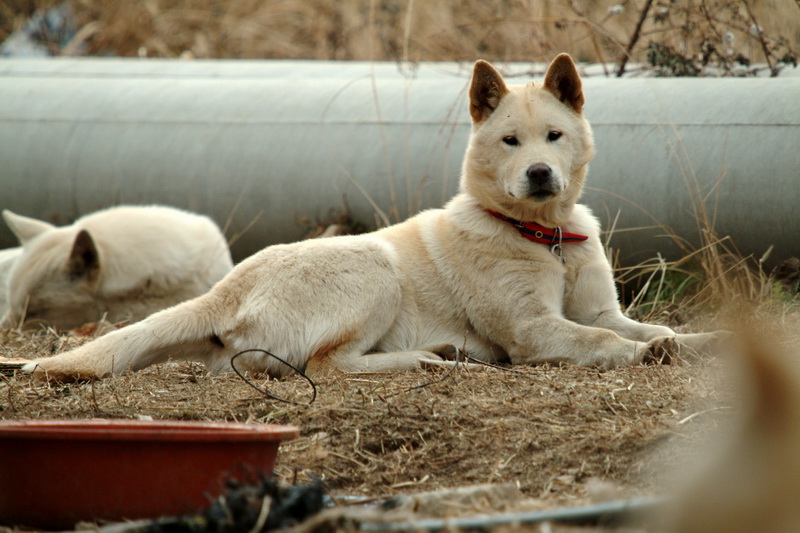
column 539, row 174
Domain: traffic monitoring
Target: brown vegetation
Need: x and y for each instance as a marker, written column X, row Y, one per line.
column 550, row 430
column 675, row 36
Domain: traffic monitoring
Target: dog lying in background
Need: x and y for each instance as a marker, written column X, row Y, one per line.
column 510, row 269
column 122, row 263
column 7, row 259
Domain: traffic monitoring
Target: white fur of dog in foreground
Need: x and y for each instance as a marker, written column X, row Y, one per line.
column 464, row 275
column 123, row 263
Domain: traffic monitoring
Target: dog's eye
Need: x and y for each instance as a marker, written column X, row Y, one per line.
column 511, row 140
column 554, row 135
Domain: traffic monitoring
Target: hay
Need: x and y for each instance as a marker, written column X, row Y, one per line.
column 551, row 430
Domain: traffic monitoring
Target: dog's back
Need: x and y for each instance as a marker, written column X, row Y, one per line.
column 158, row 245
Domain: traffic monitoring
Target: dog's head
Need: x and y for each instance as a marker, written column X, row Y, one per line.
column 530, row 145
column 54, row 279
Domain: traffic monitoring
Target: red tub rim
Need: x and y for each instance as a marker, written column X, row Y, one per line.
column 144, row 430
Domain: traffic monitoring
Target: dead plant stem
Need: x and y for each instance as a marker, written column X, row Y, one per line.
column 755, row 28
column 407, row 29
column 634, row 38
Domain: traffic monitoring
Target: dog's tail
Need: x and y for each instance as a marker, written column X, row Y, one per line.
column 185, row 331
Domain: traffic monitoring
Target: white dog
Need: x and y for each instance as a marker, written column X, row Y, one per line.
column 7, row 259
column 123, row 263
column 510, row 269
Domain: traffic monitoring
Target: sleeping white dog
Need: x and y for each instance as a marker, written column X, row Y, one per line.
column 122, row 263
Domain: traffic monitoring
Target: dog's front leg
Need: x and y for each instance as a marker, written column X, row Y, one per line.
column 554, row 339
column 614, row 320
column 592, row 300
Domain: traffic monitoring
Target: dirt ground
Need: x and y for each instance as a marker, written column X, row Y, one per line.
column 561, row 434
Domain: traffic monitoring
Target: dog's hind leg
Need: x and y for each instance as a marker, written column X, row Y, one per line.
column 185, row 331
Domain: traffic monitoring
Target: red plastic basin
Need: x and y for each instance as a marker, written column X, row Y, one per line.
column 54, row 473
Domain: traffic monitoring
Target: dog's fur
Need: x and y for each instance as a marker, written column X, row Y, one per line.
column 7, row 259
column 749, row 480
column 455, row 276
column 123, row 263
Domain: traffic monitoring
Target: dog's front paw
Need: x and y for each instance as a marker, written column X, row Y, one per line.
column 661, row 351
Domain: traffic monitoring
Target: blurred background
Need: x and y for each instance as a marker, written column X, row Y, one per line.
column 678, row 35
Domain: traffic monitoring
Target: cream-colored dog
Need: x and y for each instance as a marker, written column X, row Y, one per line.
column 470, row 275
column 8, row 258
column 123, row 263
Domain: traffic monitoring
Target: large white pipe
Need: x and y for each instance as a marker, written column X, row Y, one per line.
column 275, row 141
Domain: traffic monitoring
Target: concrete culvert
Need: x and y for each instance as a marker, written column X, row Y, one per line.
column 273, row 141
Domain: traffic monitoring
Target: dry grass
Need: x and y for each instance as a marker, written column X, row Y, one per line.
column 548, row 429
column 554, row 431
column 719, row 31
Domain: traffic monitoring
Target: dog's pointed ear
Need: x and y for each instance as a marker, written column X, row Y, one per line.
column 84, row 260
column 563, row 81
column 25, row 228
column 486, row 91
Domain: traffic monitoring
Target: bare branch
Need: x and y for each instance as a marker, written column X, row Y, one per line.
column 634, row 38
column 759, row 33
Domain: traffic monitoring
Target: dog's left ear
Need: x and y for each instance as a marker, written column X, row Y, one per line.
column 84, row 259
column 563, row 81
column 486, row 91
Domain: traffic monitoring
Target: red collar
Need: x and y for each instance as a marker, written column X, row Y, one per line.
column 538, row 233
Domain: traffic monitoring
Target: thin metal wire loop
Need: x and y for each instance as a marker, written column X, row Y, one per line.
column 287, row 363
